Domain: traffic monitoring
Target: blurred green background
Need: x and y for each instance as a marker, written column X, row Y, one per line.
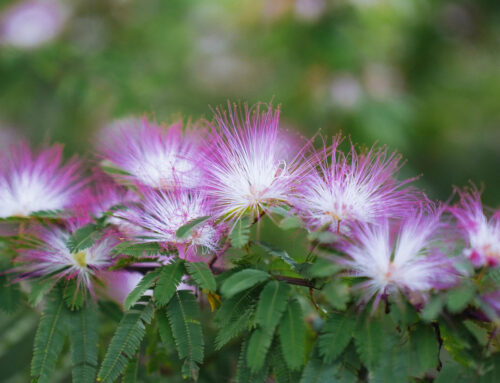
column 421, row 76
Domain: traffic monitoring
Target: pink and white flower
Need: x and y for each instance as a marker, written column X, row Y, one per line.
column 33, row 182
column 153, row 155
column 482, row 235
column 53, row 257
column 251, row 164
column 353, row 188
column 399, row 258
column 163, row 212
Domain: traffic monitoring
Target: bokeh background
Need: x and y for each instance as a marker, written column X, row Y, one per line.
column 421, row 76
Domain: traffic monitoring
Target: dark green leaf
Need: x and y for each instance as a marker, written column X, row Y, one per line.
column 169, row 279
column 258, row 345
column 317, row 371
column 293, row 335
column 432, row 309
column 49, row 339
column 335, row 336
column 130, row 374
column 202, row 275
column 144, row 284
column 368, row 338
column 84, row 339
column 424, row 349
column 272, row 303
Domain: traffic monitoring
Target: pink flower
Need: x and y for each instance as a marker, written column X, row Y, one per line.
column 251, row 163
column 31, row 23
column 353, row 188
column 399, row 258
column 163, row 212
column 153, row 155
column 53, row 257
column 30, row 183
column 482, row 236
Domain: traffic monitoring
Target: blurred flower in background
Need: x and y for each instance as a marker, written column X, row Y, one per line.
column 28, row 24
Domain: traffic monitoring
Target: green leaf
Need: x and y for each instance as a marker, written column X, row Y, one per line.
column 137, row 249
column 280, row 253
column 164, row 330
column 235, row 315
column 241, row 233
column 82, row 238
column 126, row 341
column 130, row 374
column 49, row 339
column 459, row 298
column 272, row 303
column 293, row 335
column 394, row 365
column 243, row 372
column 51, row 214
column 336, row 293
column 144, row 285
column 187, row 229
column 258, row 345
column 281, row 372
column 290, row 222
column 432, row 309
column 74, row 296
column 10, row 295
column 242, row 280
column 183, row 316
column 169, row 279
column 424, row 349
column 368, row 339
column 335, row 336
column 39, row 289
column 84, row 339
column 317, row 371
column 202, row 274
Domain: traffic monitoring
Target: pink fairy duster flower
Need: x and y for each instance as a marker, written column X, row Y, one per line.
column 163, row 212
column 153, row 155
column 53, row 257
column 251, row 164
column 30, row 182
column 352, row 188
column 482, row 236
column 31, row 23
column 404, row 258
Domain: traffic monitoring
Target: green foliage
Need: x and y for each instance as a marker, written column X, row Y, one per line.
column 50, row 335
column 336, row 334
column 130, row 374
column 368, row 337
column 458, row 298
column 183, row 317
column 292, row 335
column 423, row 349
column 10, row 295
column 272, row 303
column 168, row 280
column 258, row 346
column 240, row 234
column 74, row 295
column 318, row 371
column 187, row 229
column 126, row 341
column 202, row 275
column 138, row 250
column 276, row 252
column 242, row 280
column 145, row 284
column 83, row 336
column 83, row 238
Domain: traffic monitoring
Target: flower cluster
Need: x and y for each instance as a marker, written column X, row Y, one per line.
column 155, row 180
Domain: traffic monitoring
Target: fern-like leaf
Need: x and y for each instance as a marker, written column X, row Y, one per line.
column 318, row 371
column 84, row 338
column 169, row 279
column 183, row 316
column 292, row 335
column 130, row 374
column 272, row 303
column 335, row 336
column 83, row 238
column 126, row 341
column 186, row 230
column 50, row 336
column 258, row 346
column 202, row 275
column 144, row 284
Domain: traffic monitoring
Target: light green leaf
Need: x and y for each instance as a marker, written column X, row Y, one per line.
column 241, row 233
column 187, row 229
column 83, row 238
column 242, row 280
column 280, row 253
column 202, row 275
column 272, row 303
column 144, row 284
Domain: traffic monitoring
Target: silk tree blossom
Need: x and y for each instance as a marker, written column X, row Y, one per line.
column 52, row 256
column 33, row 182
column 353, row 188
column 163, row 212
column 482, row 235
column 31, row 23
column 251, row 164
column 156, row 156
column 404, row 258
